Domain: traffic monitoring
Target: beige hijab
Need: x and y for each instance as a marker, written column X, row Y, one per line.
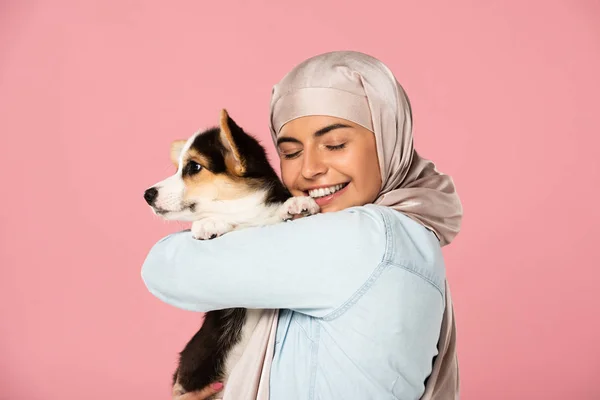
column 361, row 89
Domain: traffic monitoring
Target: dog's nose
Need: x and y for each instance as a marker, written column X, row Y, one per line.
column 150, row 195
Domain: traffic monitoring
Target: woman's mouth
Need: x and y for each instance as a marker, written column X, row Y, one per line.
column 327, row 194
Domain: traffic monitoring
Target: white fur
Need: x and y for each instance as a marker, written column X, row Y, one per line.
column 172, row 189
column 298, row 205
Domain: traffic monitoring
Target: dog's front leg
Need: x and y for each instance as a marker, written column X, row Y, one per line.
column 210, row 228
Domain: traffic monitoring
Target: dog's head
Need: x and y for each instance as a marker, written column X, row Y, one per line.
column 216, row 170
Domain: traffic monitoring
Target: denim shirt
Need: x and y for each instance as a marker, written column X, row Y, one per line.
column 361, row 293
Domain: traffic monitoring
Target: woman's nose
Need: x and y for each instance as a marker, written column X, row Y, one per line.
column 312, row 165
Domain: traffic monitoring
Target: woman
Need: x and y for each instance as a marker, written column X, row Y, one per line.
column 365, row 308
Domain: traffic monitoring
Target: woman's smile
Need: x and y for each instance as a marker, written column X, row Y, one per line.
column 325, row 195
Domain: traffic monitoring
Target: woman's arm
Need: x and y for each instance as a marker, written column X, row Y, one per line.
column 311, row 265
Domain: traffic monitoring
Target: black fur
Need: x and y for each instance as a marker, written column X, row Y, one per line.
column 202, row 360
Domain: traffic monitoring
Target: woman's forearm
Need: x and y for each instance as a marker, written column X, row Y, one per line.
column 311, row 265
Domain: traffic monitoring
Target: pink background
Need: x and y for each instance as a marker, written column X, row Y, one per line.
column 505, row 100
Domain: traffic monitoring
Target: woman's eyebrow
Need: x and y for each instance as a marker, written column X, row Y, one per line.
column 319, row 133
column 329, row 128
column 287, row 139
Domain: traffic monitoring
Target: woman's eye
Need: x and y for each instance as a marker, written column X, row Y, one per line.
column 336, row 147
column 289, row 156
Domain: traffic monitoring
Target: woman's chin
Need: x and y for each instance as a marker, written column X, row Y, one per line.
column 332, row 207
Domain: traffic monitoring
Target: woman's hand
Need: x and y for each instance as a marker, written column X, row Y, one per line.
column 203, row 394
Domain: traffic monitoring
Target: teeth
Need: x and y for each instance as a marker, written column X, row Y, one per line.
column 324, row 191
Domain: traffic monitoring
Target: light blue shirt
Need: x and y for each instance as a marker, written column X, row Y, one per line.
column 361, row 292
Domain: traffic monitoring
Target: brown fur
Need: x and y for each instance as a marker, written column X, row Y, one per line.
column 197, row 157
column 234, row 162
column 176, row 148
column 214, row 187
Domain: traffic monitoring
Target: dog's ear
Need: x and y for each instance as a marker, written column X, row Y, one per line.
column 233, row 159
column 176, row 147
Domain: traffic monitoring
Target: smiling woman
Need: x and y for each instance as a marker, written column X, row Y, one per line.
column 364, row 309
column 331, row 159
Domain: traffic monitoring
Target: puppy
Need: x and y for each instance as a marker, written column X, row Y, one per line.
column 223, row 182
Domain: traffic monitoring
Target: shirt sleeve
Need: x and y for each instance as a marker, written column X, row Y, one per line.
column 311, row 265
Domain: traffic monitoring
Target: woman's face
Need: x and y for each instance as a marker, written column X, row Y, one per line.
column 330, row 159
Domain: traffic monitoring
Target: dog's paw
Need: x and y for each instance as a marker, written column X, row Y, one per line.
column 210, row 228
column 299, row 205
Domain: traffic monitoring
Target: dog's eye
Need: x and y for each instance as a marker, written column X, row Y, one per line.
column 192, row 168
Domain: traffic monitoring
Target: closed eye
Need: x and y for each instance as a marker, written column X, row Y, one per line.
column 336, row 147
column 291, row 155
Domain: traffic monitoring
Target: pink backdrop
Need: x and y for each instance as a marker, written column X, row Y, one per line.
column 505, row 100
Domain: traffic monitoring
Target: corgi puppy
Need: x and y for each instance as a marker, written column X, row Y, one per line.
column 223, row 182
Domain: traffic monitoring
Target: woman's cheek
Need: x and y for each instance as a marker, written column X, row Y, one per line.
column 288, row 180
